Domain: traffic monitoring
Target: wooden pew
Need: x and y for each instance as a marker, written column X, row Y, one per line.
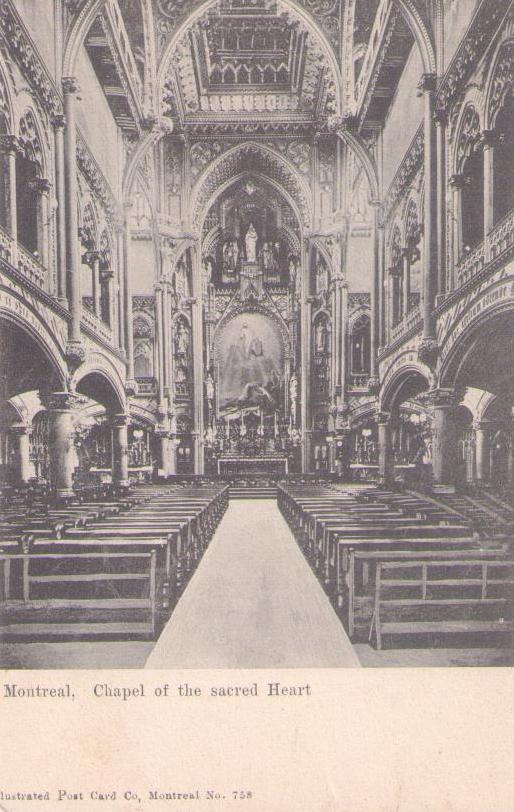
column 460, row 598
column 33, row 616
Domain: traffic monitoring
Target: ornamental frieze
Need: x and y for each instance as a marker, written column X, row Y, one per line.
column 19, row 45
column 410, row 166
column 95, row 178
column 470, row 52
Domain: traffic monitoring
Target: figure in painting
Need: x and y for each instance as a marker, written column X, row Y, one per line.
column 250, row 367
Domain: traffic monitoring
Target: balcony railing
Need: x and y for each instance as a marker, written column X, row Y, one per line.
column 6, row 245
column 146, row 386
column 30, row 267
column 98, row 327
column 407, row 324
column 501, row 238
column 471, row 265
column 359, row 380
column 498, row 241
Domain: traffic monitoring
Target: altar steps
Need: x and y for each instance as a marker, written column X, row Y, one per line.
column 253, row 492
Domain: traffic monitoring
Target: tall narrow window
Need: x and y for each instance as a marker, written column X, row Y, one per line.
column 504, row 160
column 473, row 199
column 360, row 346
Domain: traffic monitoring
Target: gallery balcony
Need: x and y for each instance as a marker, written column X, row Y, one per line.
column 496, row 248
column 22, row 260
column 410, row 323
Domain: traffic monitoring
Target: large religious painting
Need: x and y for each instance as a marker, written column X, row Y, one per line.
column 250, row 364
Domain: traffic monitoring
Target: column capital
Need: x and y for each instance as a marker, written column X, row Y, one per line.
column 428, row 351
column 41, row 186
column 91, row 257
column 373, row 385
column 70, row 84
column 119, row 420
column 75, row 353
column 58, row 121
column 457, row 181
column 60, row 401
column 383, row 418
column 440, row 117
column 489, row 138
column 442, row 398
column 10, row 144
column 19, row 429
column 427, row 83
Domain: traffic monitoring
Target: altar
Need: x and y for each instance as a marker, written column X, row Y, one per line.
column 253, row 465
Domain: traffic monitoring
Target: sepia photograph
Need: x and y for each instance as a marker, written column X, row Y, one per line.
column 256, row 335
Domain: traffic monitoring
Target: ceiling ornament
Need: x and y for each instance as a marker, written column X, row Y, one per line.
column 261, row 63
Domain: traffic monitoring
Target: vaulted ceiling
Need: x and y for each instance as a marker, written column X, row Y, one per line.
column 254, row 58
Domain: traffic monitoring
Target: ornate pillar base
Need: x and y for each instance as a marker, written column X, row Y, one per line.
column 444, row 439
column 21, row 433
column 306, row 451
column 198, row 454
column 167, row 453
column 483, row 453
column 120, row 466
column 60, row 442
column 385, row 451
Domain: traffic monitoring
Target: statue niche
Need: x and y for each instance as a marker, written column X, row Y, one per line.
column 321, row 353
column 182, row 357
column 250, row 233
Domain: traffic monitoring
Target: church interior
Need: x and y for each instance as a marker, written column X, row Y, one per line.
column 256, row 315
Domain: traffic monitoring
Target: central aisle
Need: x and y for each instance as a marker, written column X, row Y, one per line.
column 253, row 603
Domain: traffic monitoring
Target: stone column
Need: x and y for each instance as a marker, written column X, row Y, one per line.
column 428, row 86
column 60, row 442
column 488, row 144
column 385, row 452
column 92, row 258
column 382, row 290
column 59, row 122
column 198, row 370
column 41, row 189
column 127, row 299
column 456, row 184
column 376, row 298
column 406, row 282
column 166, row 345
column 159, row 337
column 440, row 126
column 106, row 294
column 120, row 237
column 10, row 146
column 482, row 452
column 70, row 89
column 164, row 455
column 444, row 435
column 306, row 341
column 120, row 456
column 21, row 434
